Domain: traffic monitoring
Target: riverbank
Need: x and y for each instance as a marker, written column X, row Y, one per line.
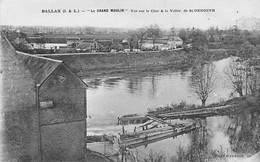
column 232, row 106
column 99, row 64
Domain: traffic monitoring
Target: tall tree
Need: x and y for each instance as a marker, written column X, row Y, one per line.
column 236, row 76
column 198, row 40
column 173, row 31
column 203, row 81
column 247, row 51
column 183, row 34
column 154, row 32
column 243, row 72
column 141, row 35
column 132, row 40
column 211, row 31
column 253, row 77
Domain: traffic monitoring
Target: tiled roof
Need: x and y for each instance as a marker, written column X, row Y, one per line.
column 54, row 40
column 73, row 38
column 39, row 67
column 35, row 40
column 89, row 41
column 115, row 37
column 160, row 41
column 85, row 45
column 177, row 39
column 47, row 40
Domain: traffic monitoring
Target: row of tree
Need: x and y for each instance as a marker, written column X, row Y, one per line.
column 243, row 73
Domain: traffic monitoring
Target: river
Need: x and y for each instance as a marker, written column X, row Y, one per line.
column 111, row 97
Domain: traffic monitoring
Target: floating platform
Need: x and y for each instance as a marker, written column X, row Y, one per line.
column 154, row 135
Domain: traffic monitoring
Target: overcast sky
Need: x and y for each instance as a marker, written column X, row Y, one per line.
column 29, row 12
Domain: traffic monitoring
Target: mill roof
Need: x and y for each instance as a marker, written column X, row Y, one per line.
column 39, row 67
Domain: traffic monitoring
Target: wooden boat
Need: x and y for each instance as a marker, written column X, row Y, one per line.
column 132, row 119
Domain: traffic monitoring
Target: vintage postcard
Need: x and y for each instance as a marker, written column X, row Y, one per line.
column 130, row 80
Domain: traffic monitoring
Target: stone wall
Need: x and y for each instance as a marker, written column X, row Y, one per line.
column 19, row 119
column 63, row 122
column 63, row 142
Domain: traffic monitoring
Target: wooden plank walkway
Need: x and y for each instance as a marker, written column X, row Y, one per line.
column 204, row 112
column 155, row 135
column 159, row 120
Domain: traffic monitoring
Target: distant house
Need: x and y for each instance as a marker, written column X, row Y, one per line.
column 125, row 41
column 47, row 43
column 86, row 46
column 104, row 45
column 175, row 42
column 54, row 43
column 36, row 42
column 105, row 41
column 73, row 40
column 117, row 38
column 161, row 43
column 28, row 46
column 151, row 43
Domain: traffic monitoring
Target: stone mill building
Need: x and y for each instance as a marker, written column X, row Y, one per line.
column 43, row 108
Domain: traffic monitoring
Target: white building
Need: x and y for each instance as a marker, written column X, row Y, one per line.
column 47, row 43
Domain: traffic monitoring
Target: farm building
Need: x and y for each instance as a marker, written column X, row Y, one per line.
column 116, row 38
column 175, row 42
column 87, row 46
column 161, row 43
column 150, row 43
column 47, row 43
column 73, row 40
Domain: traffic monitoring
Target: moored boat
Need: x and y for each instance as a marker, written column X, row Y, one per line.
column 132, row 119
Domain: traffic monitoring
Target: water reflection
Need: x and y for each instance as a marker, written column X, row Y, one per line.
column 112, row 82
column 95, row 83
column 153, row 89
column 135, row 94
column 110, row 97
column 244, row 132
column 218, row 137
column 134, row 84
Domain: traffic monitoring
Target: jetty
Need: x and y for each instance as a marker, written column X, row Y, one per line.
column 156, row 127
column 161, row 116
column 197, row 113
column 127, row 141
column 146, row 137
column 154, row 134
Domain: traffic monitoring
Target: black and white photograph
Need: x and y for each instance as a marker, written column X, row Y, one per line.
column 130, row 81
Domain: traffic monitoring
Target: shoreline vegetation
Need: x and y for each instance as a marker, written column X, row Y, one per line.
column 146, row 62
column 248, row 103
